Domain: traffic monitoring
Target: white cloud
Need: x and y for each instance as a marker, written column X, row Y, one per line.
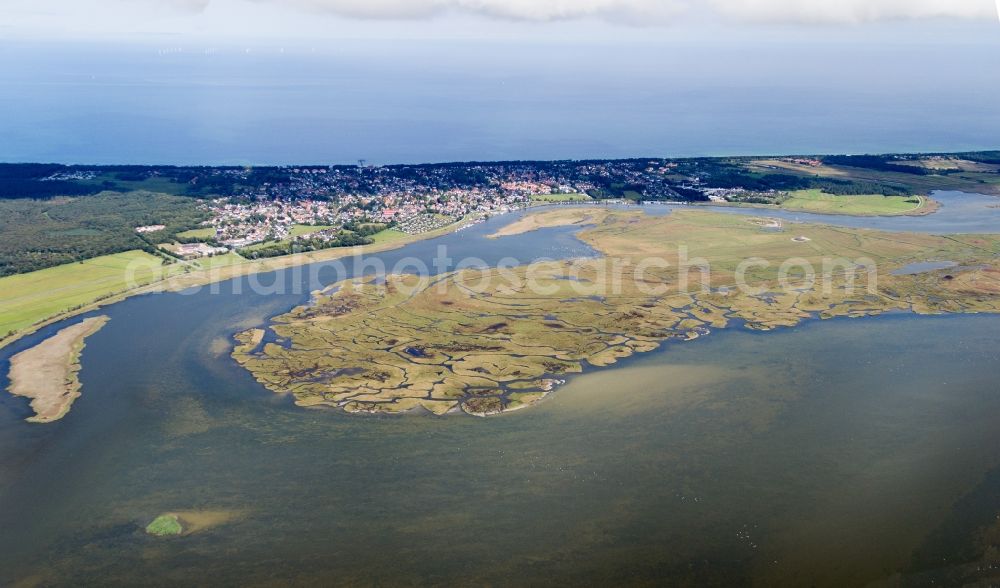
column 296, row 19
column 851, row 11
column 532, row 10
column 659, row 11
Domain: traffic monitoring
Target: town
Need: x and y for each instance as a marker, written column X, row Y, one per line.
column 270, row 211
column 297, row 218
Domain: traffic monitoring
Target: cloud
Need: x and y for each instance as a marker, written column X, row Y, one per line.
column 527, row 10
column 657, row 11
column 300, row 18
column 851, row 11
column 179, row 6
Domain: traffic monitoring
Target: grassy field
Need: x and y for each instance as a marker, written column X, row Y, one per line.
column 217, row 261
column 388, row 236
column 206, row 233
column 560, row 198
column 29, row 298
column 868, row 205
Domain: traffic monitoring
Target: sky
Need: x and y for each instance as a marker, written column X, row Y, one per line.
column 299, row 20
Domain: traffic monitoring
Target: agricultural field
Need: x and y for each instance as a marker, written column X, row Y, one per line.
column 26, row 299
column 490, row 341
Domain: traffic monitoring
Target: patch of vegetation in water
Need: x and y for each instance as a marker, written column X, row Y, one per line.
column 165, row 525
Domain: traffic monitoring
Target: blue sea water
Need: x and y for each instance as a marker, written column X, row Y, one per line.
column 430, row 101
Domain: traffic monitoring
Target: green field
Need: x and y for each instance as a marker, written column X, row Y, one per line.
column 26, row 299
column 560, row 198
column 867, row 205
column 217, row 261
column 388, row 236
column 206, row 233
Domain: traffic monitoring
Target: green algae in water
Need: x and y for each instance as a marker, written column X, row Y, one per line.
column 165, row 526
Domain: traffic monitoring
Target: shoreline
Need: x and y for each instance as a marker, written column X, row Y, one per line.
column 206, row 277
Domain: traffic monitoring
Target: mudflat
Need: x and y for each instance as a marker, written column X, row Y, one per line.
column 48, row 372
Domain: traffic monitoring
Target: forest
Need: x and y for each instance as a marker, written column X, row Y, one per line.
column 35, row 234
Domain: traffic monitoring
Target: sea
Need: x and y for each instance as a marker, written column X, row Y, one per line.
column 391, row 101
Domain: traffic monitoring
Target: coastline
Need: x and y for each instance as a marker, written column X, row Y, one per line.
column 206, row 277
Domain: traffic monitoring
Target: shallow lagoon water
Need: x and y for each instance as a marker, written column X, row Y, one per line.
column 836, row 453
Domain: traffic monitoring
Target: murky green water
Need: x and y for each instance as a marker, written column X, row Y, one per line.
column 828, row 454
column 838, row 453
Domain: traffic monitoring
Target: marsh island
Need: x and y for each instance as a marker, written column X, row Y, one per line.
column 487, row 341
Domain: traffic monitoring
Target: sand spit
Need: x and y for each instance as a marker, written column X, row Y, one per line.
column 47, row 373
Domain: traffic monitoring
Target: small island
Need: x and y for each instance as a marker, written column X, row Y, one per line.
column 489, row 341
column 166, row 525
column 48, row 372
column 187, row 522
